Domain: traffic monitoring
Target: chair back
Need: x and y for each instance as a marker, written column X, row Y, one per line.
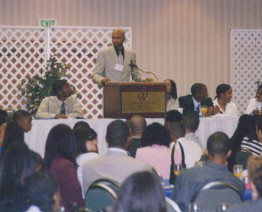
column 171, row 206
column 216, row 192
column 101, row 194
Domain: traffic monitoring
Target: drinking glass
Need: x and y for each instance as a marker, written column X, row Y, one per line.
column 222, row 206
column 203, row 110
column 194, row 207
column 177, row 169
column 237, row 170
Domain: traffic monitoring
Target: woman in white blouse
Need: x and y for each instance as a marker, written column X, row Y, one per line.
column 171, row 95
column 86, row 146
column 222, row 102
column 255, row 104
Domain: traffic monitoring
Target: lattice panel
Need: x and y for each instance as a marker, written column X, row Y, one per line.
column 246, row 65
column 75, row 46
column 22, row 54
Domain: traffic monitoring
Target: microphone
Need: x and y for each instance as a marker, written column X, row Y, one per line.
column 132, row 65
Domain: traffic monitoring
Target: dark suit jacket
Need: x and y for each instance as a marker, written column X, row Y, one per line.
column 186, row 102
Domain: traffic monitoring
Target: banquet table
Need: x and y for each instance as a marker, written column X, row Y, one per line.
column 36, row 138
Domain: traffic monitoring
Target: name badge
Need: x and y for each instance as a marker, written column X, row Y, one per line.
column 119, row 67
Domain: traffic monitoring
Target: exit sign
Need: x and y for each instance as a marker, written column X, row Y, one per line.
column 47, row 22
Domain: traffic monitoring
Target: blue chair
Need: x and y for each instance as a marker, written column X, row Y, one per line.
column 172, row 206
column 101, row 194
column 216, row 192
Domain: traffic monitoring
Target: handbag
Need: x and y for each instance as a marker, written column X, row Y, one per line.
column 172, row 178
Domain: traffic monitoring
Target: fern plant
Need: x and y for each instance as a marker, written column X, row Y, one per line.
column 258, row 83
column 36, row 88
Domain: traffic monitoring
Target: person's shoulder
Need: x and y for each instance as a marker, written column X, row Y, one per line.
column 106, row 50
column 253, row 100
column 61, row 163
column 190, row 173
column 209, row 99
column 142, row 149
column 72, row 97
column 82, row 158
column 190, row 144
column 182, row 139
column 184, row 98
column 232, row 104
column 48, row 98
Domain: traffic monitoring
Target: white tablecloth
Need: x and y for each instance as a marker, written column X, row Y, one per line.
column 36, row 138
column 209, row 125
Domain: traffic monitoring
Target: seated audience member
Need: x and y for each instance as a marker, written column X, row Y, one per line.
column 13, row 132
column 137, row 125
column 171, row 95
column 190, row 181
column 60, row 159
column 191, row 123
column 24, row 119
column 86, row 148
column 3, row 120
column 115, row 164
column 255, row 104
column 222, row 102
column 197, row 99
column 188, row 145
column 141, row 192
column 42, row 193
column 61, row 106
column 16, row 165
column 172, row 116
column 176, row 130
column 3, row 116
column 254, row 167
column 246, row 128
column 253, row 141
column 155, row 149
column 81, row 124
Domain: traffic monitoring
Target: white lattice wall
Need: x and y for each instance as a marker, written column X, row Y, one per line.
column 24, row 51
column 246, row 65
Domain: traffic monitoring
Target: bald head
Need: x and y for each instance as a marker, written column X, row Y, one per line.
column 118, row 37
column 119, row 31
column 137, row 124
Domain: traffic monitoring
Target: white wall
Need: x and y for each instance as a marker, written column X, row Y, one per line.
column 185, row 40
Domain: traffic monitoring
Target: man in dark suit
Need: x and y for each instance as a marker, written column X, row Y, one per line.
column 198, row 99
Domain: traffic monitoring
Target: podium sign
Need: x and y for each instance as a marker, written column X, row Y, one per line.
column 143, row 102
column 121, row 100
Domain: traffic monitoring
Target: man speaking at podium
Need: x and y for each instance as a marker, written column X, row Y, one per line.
column 114, row 64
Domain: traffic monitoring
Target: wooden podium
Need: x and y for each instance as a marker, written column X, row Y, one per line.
column 121, row 100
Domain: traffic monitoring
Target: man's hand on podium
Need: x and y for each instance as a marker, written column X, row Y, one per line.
column 61, row 116
column 149, row 80
column 105, row 81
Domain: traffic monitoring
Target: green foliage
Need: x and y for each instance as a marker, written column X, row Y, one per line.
column 38, row 87
column 258, row 83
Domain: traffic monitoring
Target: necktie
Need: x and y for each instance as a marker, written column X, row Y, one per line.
column 198, row 109
column 62, row 111
column 120, row 58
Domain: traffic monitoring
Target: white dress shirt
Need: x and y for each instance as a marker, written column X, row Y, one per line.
column 192, row 151
column 80, row 160
column 172, row 104
column 253, row 105
column 51, row 106
column 231, row 108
